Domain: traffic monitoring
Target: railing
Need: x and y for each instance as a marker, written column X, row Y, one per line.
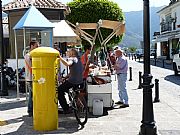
column 166, row 26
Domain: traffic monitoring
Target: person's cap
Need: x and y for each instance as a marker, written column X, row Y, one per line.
column 116, row 47
column 119, row 49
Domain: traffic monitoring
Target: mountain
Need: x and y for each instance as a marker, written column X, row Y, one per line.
column 134, row 27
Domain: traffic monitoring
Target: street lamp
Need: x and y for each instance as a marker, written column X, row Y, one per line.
column 3, row 90
column 148, row 126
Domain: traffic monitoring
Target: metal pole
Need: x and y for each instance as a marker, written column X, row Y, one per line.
column 17, row 66
column 140, row 78
column 156, row 99
column 155, row 61
column 3, row 89
column 132, row 56
column 130, row 73
column 155, row 57
column 148, row 124
column 163, row 63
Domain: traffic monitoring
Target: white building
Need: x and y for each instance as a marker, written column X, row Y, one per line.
column 169, row 34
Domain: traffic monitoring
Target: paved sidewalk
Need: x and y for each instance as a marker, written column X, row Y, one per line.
column 125, row 121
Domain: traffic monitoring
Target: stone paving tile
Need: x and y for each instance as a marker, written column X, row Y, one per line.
column 169, row 132
column 125, row 121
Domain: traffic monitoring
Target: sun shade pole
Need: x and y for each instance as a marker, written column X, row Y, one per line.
column 24, row 35
column 112, row 34
column 17, row 74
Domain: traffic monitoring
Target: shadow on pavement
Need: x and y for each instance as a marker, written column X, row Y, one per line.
column 160, row 63
column 12, row 105
column 67, row 125
column 12, row 93
column 13, row 121
column 105, row 113
column 173, row 79
column 169, row 132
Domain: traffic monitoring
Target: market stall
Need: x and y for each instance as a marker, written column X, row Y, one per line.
column 99, row 90
column 99, row 87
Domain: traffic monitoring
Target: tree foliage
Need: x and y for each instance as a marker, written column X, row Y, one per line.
column 91, row 11
column 132, row 49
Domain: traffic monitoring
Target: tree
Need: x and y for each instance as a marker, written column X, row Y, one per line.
column 132, row 49
column 91, row 11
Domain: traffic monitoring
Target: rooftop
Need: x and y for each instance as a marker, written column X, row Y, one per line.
column 173, row 2
column 20, row 4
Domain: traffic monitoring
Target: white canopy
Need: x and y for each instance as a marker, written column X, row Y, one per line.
column 62, row 32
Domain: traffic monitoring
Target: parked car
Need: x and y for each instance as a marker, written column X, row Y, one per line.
column 152, row 52
column 176, row 59
column 139, row 53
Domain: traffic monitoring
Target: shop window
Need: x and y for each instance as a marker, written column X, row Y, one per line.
column 164, row 49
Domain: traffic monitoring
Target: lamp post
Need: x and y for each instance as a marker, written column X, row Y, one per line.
column 148, row 124
column 3, row 90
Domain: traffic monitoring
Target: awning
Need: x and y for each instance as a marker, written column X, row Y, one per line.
column 165, row 39
column 117, row 26
column 167, row 36
column 177, row 36
column 33, row 19
column 160, row 40
column 62, row 32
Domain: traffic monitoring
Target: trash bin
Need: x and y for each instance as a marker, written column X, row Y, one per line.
column 45, row 101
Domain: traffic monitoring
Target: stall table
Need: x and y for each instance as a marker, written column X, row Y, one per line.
column 101, row 92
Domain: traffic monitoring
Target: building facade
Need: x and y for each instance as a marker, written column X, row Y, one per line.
column 167, row 38
column 51, row 9
column 5, row 34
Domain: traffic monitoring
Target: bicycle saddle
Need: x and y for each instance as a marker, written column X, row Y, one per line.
column 78, row 86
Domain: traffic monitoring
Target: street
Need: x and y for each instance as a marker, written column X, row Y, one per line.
column 124, row 121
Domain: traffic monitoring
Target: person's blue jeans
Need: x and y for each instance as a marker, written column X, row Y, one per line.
column 30, row 101
column 123, row 96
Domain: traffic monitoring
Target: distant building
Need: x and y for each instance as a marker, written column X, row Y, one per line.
column 5, row 27
column 141, row 44
column 51, row 9
column 169, row 34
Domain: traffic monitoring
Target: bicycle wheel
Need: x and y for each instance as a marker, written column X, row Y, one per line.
column 81, row 109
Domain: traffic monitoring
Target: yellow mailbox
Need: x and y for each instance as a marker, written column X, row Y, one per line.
column 44, row 70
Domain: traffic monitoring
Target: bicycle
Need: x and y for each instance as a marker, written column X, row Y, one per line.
column 79, row 105
column 78, row 102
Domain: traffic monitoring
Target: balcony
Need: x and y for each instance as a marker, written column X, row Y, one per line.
column 166, row 26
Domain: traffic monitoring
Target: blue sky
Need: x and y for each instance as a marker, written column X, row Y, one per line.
column 125, row 5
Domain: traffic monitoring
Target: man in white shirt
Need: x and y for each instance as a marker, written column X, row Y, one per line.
column 28, row 65
column 121, row 68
